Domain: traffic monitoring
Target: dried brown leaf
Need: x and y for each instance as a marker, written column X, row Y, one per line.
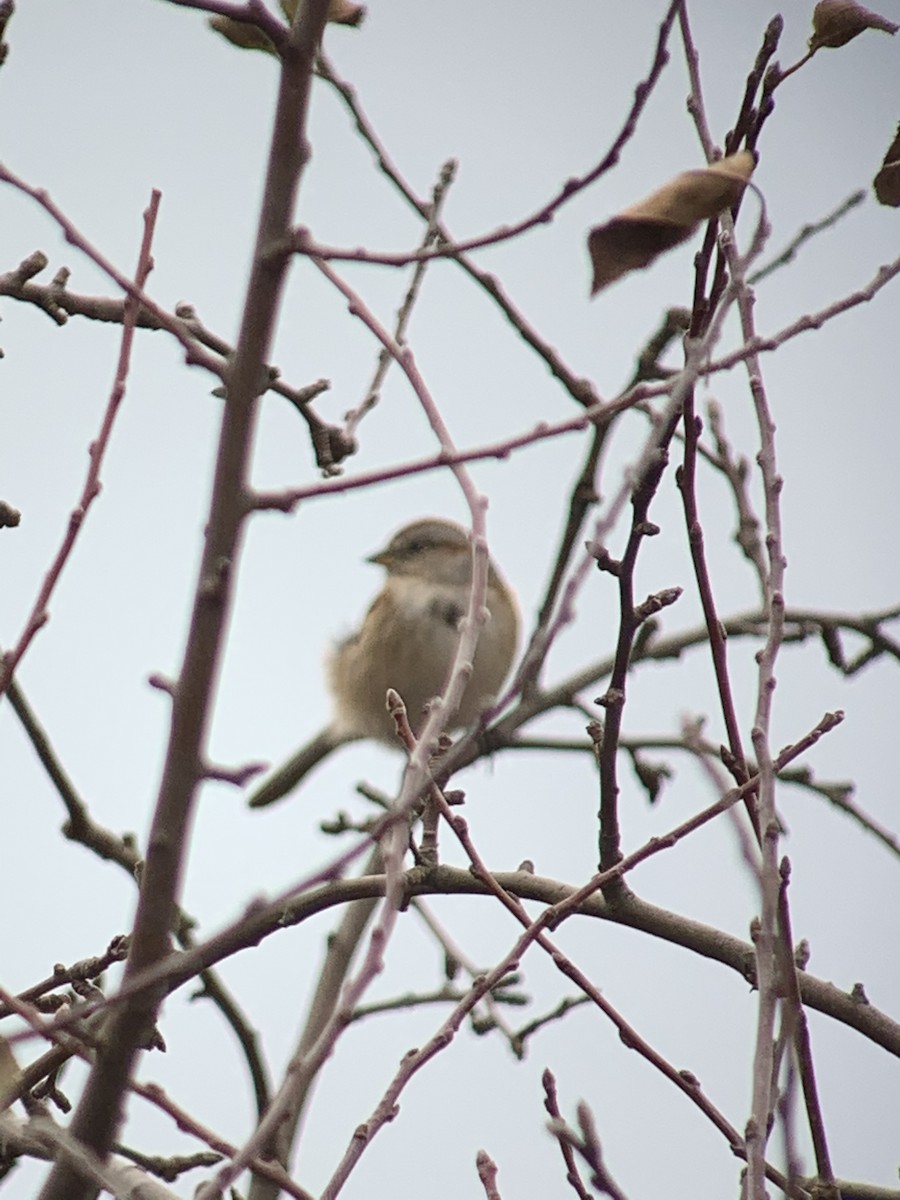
column 639, row 234
column 887, row 181
column 242, row 34
column 343, row 12
column 627, row 244
column 836, row 22
column 340, row 12
column 694, row 196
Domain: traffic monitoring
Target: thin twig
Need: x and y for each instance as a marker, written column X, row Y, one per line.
column 802, row 1041
column 585, row 492
column 555, row 1014
column 487, row 1173
column 757, row 344
column 418, row 768
column 533, row 933
column 195, row 354
column 600, row 414
column 59, row 303
column 580, row 389
column 775, row 604
column 299, row 902
column 736, row 472
column 766, row 823
column 99, row 1111
column 551, row 1104
column 385, row 358
column 686, row 478
column 543, row 216
column 803, row 235
column 65, row 1047
column 454, row 955
column 39, row 614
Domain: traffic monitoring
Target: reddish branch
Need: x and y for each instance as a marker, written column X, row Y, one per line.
column 551, row 1104
column 304, row 244
column 686, row 479
column 801, row 1038
column 91, row 490
column 99, row 1112
column 301, row 901
column 535, row 933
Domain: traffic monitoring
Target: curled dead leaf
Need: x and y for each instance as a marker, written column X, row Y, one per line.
column 639, row 234
column 836, row 22
column 343, row 12
column 251, row 37
column 694, row 196
column 340, row 12
column 887, row 181
column 242, row 34
column 624, row 244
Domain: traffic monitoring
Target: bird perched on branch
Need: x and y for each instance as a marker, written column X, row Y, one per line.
column 407, row 642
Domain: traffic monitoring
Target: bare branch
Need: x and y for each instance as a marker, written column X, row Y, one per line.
column 543, row 215
column 91, row 489
column 97, row 1115
column 385, row 358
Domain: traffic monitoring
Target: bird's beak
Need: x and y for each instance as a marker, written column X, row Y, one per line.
column 382, row 559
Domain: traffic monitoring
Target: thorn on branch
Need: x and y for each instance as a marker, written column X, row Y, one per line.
column 238, row 776
column 162, row 684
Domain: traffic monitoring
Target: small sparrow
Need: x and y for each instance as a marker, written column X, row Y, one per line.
column 407, row 642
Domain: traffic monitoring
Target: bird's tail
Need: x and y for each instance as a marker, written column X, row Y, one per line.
column 289, row 774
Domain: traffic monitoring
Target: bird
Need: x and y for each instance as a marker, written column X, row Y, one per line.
column 407, row 641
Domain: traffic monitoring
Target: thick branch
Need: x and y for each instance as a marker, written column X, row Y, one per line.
column 100, row 1110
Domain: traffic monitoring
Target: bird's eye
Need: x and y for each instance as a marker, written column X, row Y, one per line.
column 415, row 547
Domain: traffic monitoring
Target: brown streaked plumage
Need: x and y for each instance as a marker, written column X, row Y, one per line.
column 407, row 641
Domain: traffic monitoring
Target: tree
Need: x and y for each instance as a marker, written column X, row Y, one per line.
column 652, row 459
